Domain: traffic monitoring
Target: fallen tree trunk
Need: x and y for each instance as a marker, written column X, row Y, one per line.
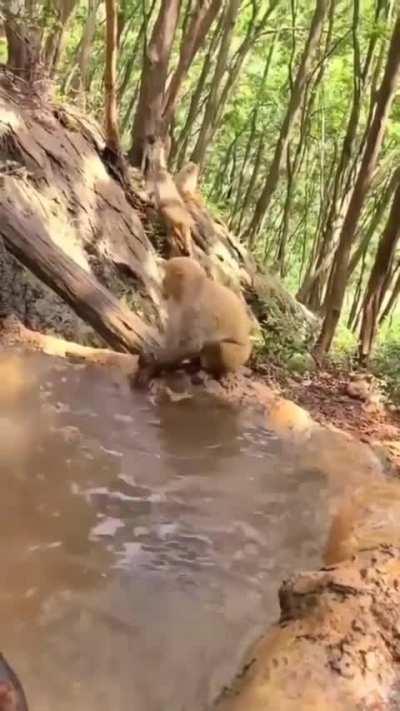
column 27, row 239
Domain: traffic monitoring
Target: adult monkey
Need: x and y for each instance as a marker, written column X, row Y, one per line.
column 205, row 320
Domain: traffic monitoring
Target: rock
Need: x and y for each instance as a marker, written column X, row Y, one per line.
column 285, row 418
column 336, row 646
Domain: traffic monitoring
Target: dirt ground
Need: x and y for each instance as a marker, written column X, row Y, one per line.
column 324, row 395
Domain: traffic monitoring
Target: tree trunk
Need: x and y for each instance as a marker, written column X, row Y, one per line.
column 147, row 124
column 378, row 279
column 311, row 290
column 258, row 157
column 23, row 42
column 78, row 80
column 127, row 74
column 236, row 216
column 379, row 209
column 196, row 31
column 211, row 108
column 56, row 38
column 28, row 241
column 355, row 307
column 111, row 106
column 185, row 134
column 296, row 99
column 393, row 296
column 338, row 280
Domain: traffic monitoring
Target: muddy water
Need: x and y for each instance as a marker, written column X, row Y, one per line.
column 142, row 546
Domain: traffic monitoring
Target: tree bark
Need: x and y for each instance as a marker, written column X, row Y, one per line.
column 378, row 279
column 296, row 98
column 111, row 104
column 311, row 290
column 255, row 29
column 23, row 41
column 393, row 297
column 385, row 195
column 338, row 279
column 147, row 124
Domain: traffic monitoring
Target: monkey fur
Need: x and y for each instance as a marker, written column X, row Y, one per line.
column 187, row 183
column 205, row 320
column 169, row 202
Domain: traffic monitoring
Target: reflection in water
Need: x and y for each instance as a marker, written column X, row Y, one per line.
column 142, row 545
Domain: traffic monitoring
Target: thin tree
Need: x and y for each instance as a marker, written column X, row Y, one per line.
column 292, row 113
column 77, row 79
column 312, row 289
column 374, row 140
column 195, row 32
column 211, row 107
column 179, row 147
column 392, row 300
column 23, row 36
column 56, row 37
column 379, row 279
column 147, row 124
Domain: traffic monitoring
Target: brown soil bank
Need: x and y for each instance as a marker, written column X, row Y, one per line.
column 325, row 396
column 337, row 643
column 336, row 647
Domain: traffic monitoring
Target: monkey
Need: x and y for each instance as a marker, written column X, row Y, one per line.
column 205, row 321
column 360, row 387
column 169, row 202
column 187, row 183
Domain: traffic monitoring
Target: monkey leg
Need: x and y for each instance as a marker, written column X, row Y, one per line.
column 183, row 239
column 153, row 365
column 224, row 357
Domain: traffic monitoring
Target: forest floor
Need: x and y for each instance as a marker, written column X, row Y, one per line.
column 324, row 396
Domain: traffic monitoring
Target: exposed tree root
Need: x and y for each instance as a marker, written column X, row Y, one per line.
column 14, row 334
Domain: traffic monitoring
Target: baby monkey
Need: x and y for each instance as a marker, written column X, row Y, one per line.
column 205, row 321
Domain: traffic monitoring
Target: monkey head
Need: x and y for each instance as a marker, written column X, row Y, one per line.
column 183, row 277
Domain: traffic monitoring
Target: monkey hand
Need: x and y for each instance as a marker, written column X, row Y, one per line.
column 147, row 370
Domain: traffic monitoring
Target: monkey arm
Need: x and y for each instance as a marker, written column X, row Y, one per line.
column 165, row 358
column 170, row 356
